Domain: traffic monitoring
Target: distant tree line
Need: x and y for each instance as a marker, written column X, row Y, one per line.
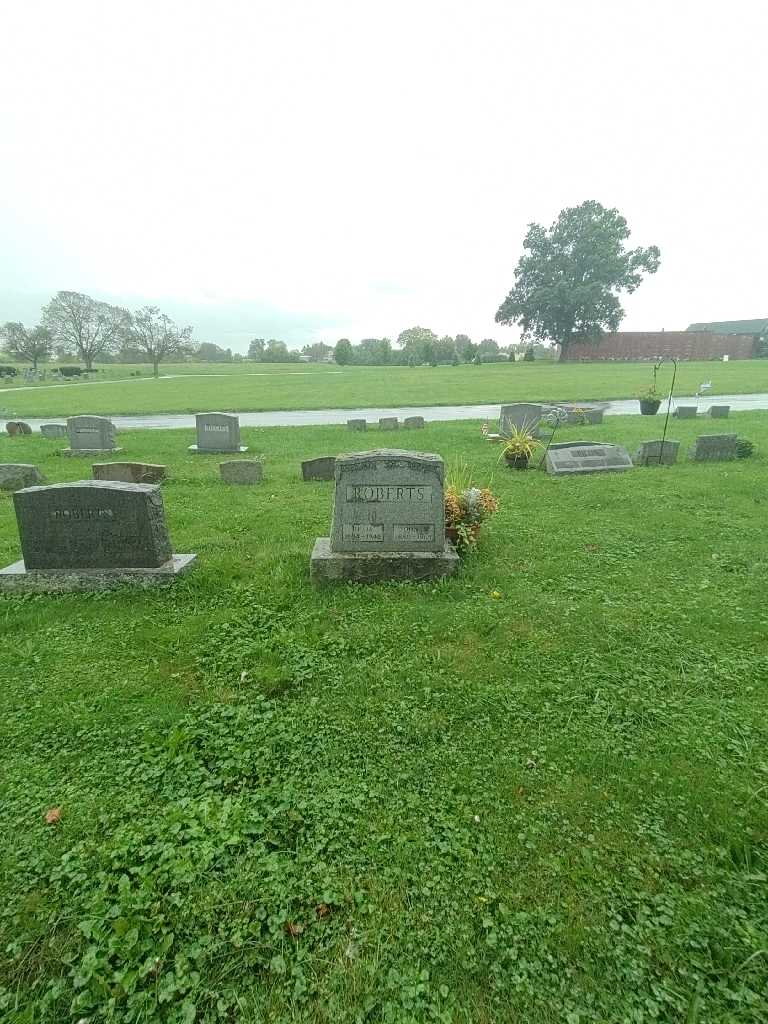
column 420, row 346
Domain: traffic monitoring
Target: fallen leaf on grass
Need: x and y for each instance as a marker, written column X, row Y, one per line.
column 322, row 910
column 53, row 816
column 294, row 930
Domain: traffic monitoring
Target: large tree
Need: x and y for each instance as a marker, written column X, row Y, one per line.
column 418, row 344
column 343, row 353
column 157, row 337
column 83, row 326
column 256, row 349
column 568, row 280
column 26, row 345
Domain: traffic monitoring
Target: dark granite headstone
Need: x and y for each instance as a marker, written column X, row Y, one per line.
column 89, row 435
column 319, row 469
column 575, row 457
column 713, row 448
column 217, row 432
column 719, row 412
column 657, row 453
column 15, row 475
column 413, row 423
column 357, row 425
column 241, row 471
column 388, row 423
column 685, row 412
column 129, row 472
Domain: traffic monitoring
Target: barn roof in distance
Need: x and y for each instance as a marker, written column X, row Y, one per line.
column 732, row 327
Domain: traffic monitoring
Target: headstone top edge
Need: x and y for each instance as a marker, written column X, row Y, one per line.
column 101, row 485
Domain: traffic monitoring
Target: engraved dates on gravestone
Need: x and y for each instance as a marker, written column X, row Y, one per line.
column 129, row 472
column 582, row 457
column 90, row 434
column 319, row 469
column 92, row 524
column 14, row 476
column 217, row 432
column 657, row 453
column 714, row 448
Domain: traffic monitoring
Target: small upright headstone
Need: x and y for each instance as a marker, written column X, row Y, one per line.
column 719, row 412
column 685, row 412
column 574, row 457
column 657, row 453
column 522, row 415
column 129, row 472
column 388, row 423
column 16, row 427
column 217, row 432
column 90, row 435
column 90, row 535
column 15, row 475
column 713, row 448
column 594, row 416
column 388, row 520
column 318, row 469
column 413, row 423
column 357, row 424
column 241, row 471
column 53, row 430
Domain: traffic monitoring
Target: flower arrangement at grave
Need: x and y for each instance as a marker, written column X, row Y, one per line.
column 519, row 446
column 466, row 507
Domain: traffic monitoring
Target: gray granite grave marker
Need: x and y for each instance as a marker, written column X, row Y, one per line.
column 574, row 457
column 713, row 448
column 319, row 469
column 388, row 520
column 719, row 412
column 217, row 432
column 685, row 412
column 129, row 472
column 15, row 475
column 90, row 435
column 523, row 415
column 413, row 423
column 657, row 453
column 357, row 425
column 91, row 534
column 388, row 423
column 53, row 430
column 241, row 471
column 16, row 427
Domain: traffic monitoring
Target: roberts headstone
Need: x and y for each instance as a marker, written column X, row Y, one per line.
column 53, row 430
column 318, row 469
column 91, row 534
column 388, row 520
column 574, row 457
column 90, row 435
column 15, row 475
column 713, row 448
column 217, row 432
column 129, row 472
column 657, row 453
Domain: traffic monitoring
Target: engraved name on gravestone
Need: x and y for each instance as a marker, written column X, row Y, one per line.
column 575, row 457
column 91, row 434
column 92, row 524
column 714, row 448
column 217, row 432
column 388, row 500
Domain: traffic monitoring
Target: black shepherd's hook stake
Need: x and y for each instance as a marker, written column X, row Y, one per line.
column 657, row 366
column 550, row 439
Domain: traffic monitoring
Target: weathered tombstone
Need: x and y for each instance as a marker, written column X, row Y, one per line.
column 357, row 424
column 241, row 471
column 719, row 412
column 318, row 469
column 53, row 430
column 522, row 415
column 90, row 535
column 129, row 472
column 685, row 412
column 388, row 520
column 413, row 423
column 16, row 427
column 713, row 448
column 15, row 475
column 574, row 457
column 657, row 453
column 217, row 432
column 388, row 423
column 594, row 416
column 90, row 435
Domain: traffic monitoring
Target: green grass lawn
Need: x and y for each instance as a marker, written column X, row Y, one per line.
column 536, row 792
column 250, row 387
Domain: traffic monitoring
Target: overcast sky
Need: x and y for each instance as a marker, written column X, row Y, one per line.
column 311, row 169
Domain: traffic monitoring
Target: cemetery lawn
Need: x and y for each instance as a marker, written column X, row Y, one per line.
column 253, row 387
column 535, row 793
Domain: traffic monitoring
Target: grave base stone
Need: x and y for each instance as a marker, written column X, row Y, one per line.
column 15, row 475
column 241, row 471
column 17, row 578
column 129, row 472
column 88, row 453
column 319, row 469
column 328, row 566
column 657, row 453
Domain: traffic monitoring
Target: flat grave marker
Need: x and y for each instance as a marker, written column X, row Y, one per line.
column 241, row 471
column 129, row 472
column 574, row 457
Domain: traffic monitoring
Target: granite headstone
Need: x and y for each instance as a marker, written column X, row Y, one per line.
column 89, row 435
column 685, row 412
column 53, row 430
column 241, row 471
column 522, row 415
column 575, row 457
column 657, row 453
column 129, row 472
column 388, row 423
column 413, row 423
column 719, row 412
column 319, row 469
column 15, row 475
column 713, row 448
column 357, row 424
column 217, row 432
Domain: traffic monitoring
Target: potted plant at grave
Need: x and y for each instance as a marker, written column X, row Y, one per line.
column 466, row 507
column 519, row 446
column 650, row 400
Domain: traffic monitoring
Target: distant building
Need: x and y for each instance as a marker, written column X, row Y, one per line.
column 640, row 346
column 757, row 328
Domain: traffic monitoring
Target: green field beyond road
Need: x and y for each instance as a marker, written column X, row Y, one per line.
column 536, row 792
column 251, row 387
